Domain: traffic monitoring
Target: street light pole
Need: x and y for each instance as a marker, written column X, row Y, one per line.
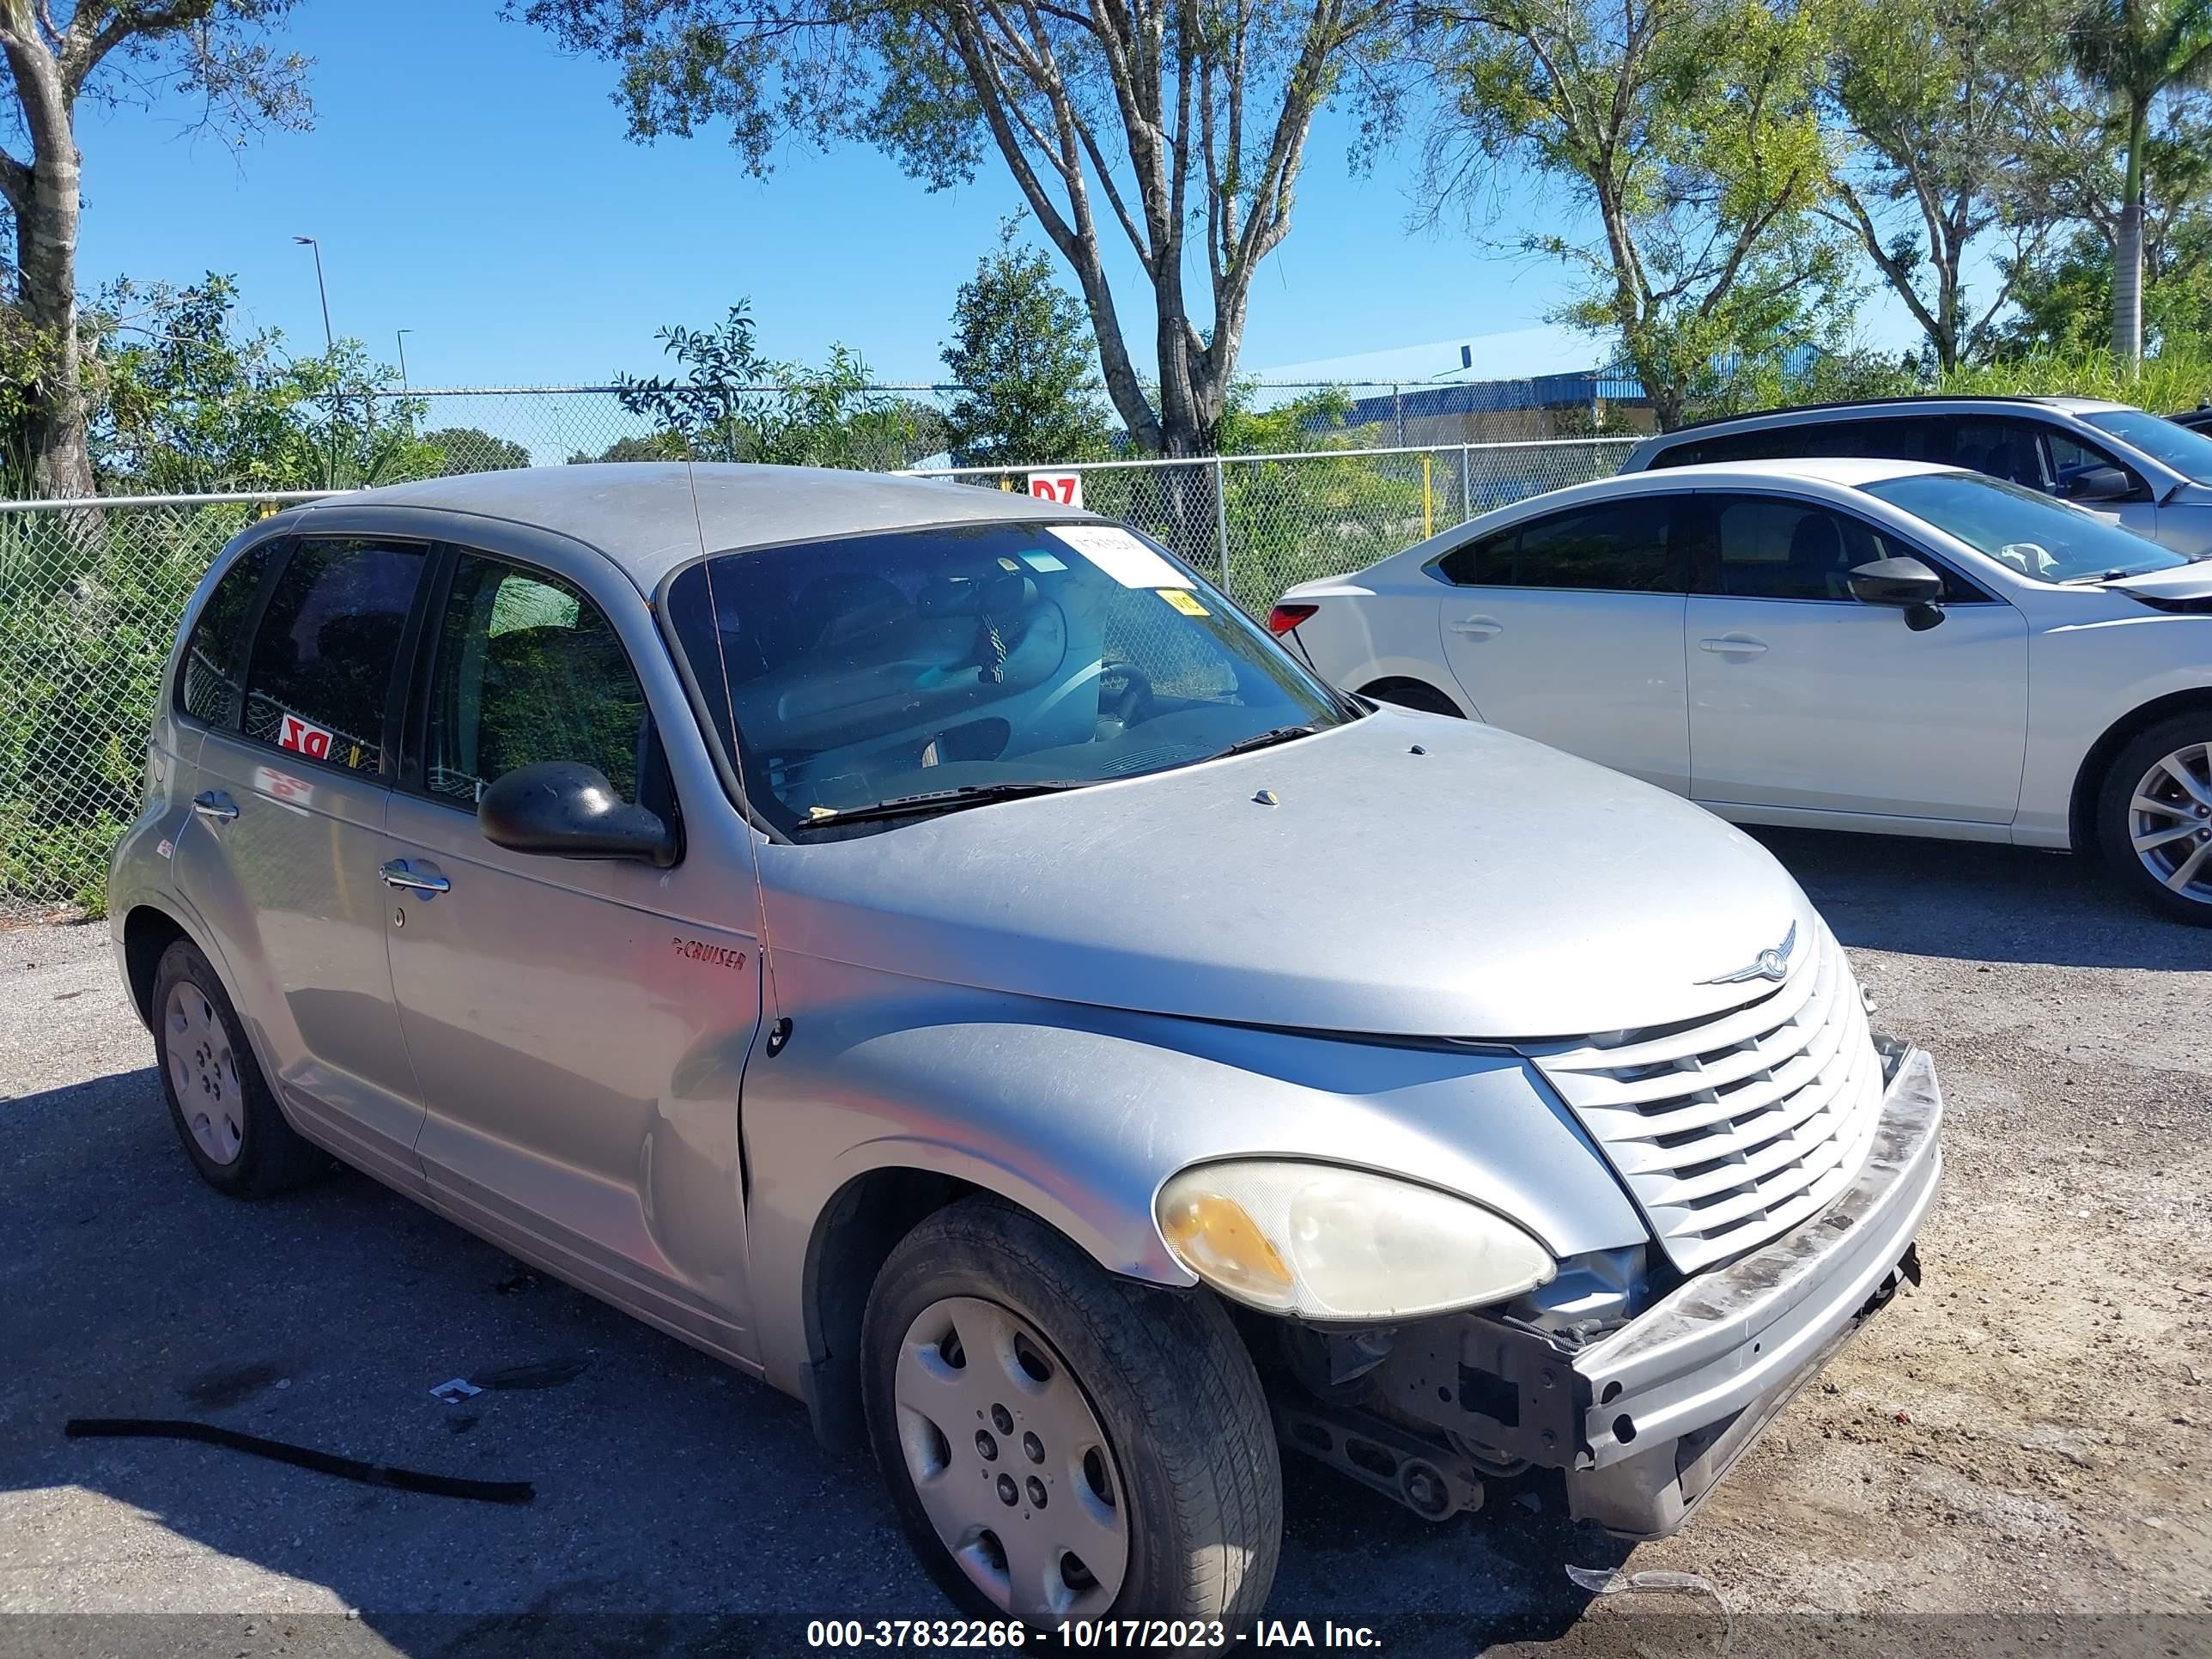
column 329, row 344
column 330, row 350
column 400, row 336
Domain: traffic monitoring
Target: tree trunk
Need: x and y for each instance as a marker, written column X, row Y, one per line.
column 2127, row 252
column 2127, row 286
column 45, row 198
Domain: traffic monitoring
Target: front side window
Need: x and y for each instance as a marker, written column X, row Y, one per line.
column 982, row 658
column 528, row 670
column 2008, row 449
column 1757, row 547
column 323, row 660
column 1622, row 546
column 2029, row 534
column 208, row 679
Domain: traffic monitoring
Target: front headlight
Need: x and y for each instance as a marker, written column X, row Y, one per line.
column 1328, row 1243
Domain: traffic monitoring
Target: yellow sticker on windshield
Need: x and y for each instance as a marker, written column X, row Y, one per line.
column 1182, row 599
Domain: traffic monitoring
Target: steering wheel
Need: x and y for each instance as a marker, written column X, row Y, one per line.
column 1132, row 701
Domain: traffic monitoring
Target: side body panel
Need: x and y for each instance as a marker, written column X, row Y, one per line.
column 1080, row 1114
column 580, row 1027
column 1598, row 674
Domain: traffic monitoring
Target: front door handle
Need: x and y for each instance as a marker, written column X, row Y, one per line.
column 1479, row 627
column 215, row 806
column 407, row 879
column 1733, row 644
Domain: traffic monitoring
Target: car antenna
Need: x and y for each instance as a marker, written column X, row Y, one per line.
column 781, row 1031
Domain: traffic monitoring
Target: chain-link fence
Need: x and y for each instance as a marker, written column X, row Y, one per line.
column 90, row 594
column 1259, row 524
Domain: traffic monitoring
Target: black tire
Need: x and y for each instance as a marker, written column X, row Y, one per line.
column 1416, row 695
column 1166, row 1379
column 2187, row 732
column 271, row 1157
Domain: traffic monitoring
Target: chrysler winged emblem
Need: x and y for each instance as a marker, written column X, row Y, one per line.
column 1772, row 964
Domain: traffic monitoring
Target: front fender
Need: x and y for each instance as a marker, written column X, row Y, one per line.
column 1080, row 1113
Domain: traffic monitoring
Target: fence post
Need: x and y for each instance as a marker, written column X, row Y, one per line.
column 1466, row 486
column 1221, row 525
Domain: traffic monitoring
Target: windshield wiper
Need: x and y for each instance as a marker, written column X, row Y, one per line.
column 937, row 800
column 1273, row 735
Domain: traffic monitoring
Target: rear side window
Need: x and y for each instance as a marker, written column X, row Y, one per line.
column 207, row 681
column 1907, row 438
column 1619, row 547
column 323, row 660
column 528, row 670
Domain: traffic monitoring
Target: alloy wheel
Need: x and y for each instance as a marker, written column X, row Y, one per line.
column 204, row 1072
column 1010, row 1462
column 2170, row 821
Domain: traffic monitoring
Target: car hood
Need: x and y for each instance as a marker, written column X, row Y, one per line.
column 1416, row 876
column 2180, row 582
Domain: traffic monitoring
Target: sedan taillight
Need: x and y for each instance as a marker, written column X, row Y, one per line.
column 1284, row 617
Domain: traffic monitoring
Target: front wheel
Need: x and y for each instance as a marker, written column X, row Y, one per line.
column 1063, row 1445
column 2155, row 816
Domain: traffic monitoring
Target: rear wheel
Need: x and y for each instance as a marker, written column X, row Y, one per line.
column 2154, row 816
column 218, row 1100
column 1060, row 1443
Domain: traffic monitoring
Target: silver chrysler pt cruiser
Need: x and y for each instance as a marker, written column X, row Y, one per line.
column 927, row 948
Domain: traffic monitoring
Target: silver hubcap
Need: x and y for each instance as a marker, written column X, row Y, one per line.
column 203, row 1073
column 1010, row 1463
column 2170, row 821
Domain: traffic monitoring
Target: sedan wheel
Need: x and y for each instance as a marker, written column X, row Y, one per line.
column 1010, row 1462
column 2154, row 816
column 2170, row 821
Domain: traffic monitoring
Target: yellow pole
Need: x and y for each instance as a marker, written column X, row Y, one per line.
column 1428, row 501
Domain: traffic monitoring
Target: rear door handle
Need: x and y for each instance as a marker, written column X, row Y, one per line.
column 1733, row 644
column 408, row 878
column 1479, row 627
column 215, row 806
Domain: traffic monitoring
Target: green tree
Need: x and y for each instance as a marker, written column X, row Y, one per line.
column 1024, row 364
column 468, row 449
column 733, row 403
column 1167, row 121
column 190, row 405
column 1689, row 131
column 51, row 55
column 2134, row 51
column 1924, row 96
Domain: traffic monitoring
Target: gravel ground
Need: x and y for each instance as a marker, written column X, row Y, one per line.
column 2021, row 1444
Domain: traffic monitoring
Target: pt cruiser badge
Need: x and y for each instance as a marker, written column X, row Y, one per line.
column 1772, row 964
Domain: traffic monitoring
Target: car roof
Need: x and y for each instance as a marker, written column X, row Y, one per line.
column 1932, row 403
column 1850, row 471
column 643, row 515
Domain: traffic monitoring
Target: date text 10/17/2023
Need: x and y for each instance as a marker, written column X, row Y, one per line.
column 1085, row 1634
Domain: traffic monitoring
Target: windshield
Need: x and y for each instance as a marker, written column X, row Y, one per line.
column 2026, row 532
column 2188, row 453
column 983, row 658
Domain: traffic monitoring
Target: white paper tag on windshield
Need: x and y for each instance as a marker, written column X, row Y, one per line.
column 1119, row 554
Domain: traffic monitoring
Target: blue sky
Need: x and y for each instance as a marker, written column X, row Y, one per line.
column 472, row 184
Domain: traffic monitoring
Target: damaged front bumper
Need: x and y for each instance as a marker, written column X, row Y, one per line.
column 1645, row 1420
column 1675, row 1396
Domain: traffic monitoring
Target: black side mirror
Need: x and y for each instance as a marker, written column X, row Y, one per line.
column 568, row 810
column 1905, row 584
column 2098, row 484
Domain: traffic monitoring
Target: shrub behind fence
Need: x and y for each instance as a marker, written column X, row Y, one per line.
column 90, row 595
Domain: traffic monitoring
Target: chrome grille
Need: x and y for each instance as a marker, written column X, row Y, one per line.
column 1732, row 1129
